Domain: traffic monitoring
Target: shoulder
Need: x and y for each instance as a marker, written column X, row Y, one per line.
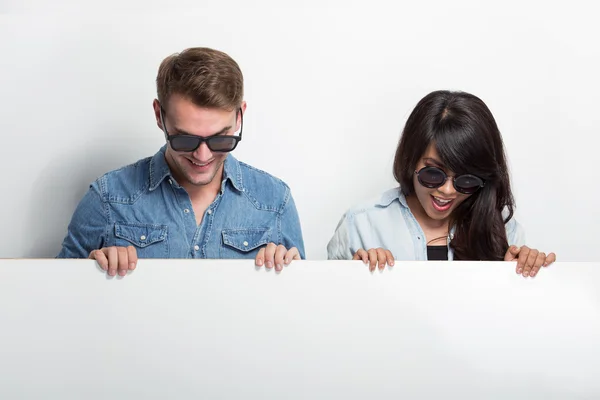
column 380, row 215
column 265, row 190
column 124, row 184
column 515, row 234
column 388, row 202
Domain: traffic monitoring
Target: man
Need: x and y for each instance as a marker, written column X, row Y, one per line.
column 192, row 199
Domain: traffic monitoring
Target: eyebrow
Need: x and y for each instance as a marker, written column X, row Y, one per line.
column 433, row 161
column 182, row 132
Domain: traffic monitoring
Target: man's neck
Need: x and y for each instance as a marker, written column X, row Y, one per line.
column 203, row 193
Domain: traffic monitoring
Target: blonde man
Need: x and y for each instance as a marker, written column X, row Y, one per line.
column 192, row 199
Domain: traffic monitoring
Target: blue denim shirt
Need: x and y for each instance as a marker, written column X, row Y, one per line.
column 387, row 222
column 142, row 205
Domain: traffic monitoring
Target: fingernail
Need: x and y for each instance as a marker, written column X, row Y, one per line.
column 391, row 263
column 111, row 272
column 519, row 271
column 268, row 264
column 526, row 274
column 287, row 261
column 131, row 265
column 259, row 262
column 278, row 267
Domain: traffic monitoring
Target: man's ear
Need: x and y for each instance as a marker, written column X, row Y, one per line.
column 156, row 107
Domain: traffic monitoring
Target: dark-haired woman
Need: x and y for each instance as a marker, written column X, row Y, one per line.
column 454, row 201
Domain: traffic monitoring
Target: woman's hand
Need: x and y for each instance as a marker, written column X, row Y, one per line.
column 529, row 261
column 375, row 257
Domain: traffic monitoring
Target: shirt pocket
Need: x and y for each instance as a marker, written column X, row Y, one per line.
column 149, row 240
column 244, row 243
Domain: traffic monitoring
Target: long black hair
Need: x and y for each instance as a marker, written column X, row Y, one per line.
column 467, row 140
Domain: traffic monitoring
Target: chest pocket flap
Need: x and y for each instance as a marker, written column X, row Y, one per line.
column 246, row 239
column 141, row 235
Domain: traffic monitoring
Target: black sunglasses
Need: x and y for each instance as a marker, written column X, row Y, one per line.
column 217, row 143
column 434, row 177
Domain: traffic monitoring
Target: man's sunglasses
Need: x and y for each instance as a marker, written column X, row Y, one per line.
column 218, row 143
column 434, row 177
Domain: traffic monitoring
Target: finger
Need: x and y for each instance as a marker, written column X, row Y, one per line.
column 292, row 254
column 372, row 259
column 522, row 258
column 279, row 254
column 381, row 258
column 390, row 258
column 123, row 260
column 270, row 255
column 550, row 259
column 539, row 261
column 132, row 257
column 530, row 262
column 361, row 254
column 100, row 258
column 260, row 257
column 113, row 258
column 511, row 253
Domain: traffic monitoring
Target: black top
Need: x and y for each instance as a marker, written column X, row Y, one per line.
column 437, row 253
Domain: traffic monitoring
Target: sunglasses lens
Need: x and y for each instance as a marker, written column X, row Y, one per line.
column 222, row 143
column 431, row 177
column 184, row 142
column 468, row 184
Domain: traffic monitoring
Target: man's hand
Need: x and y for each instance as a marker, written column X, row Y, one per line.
column 529, row 261
column 115, row 259
column 276, row 256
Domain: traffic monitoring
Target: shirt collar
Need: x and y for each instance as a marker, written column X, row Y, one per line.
column 389, row 196
column 233, row 172
column 159, row 169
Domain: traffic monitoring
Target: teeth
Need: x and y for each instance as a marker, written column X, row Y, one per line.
column 200, row 165
column 442, row 200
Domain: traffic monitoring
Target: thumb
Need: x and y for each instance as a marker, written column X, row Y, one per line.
column 512, row 253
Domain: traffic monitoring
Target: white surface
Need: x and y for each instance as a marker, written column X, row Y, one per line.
column 329, row 86
column 319, row 330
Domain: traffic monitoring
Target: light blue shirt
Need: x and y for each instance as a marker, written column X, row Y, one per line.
column 387, row 222
column 142, row 205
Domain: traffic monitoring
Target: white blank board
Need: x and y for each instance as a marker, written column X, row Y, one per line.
column 191, row 329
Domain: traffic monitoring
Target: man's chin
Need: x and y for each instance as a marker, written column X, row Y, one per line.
column 200, row 180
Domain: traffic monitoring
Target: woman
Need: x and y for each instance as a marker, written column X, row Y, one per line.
column 454, row 201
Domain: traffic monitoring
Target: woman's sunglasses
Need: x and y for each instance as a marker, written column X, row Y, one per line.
column 216, row 143
column 434, row 177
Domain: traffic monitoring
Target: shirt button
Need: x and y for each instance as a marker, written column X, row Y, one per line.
column 186, row 211
column 245, row 243
column 170, row 181
column 196, row 247
column 209, row 212
column 142, row 237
